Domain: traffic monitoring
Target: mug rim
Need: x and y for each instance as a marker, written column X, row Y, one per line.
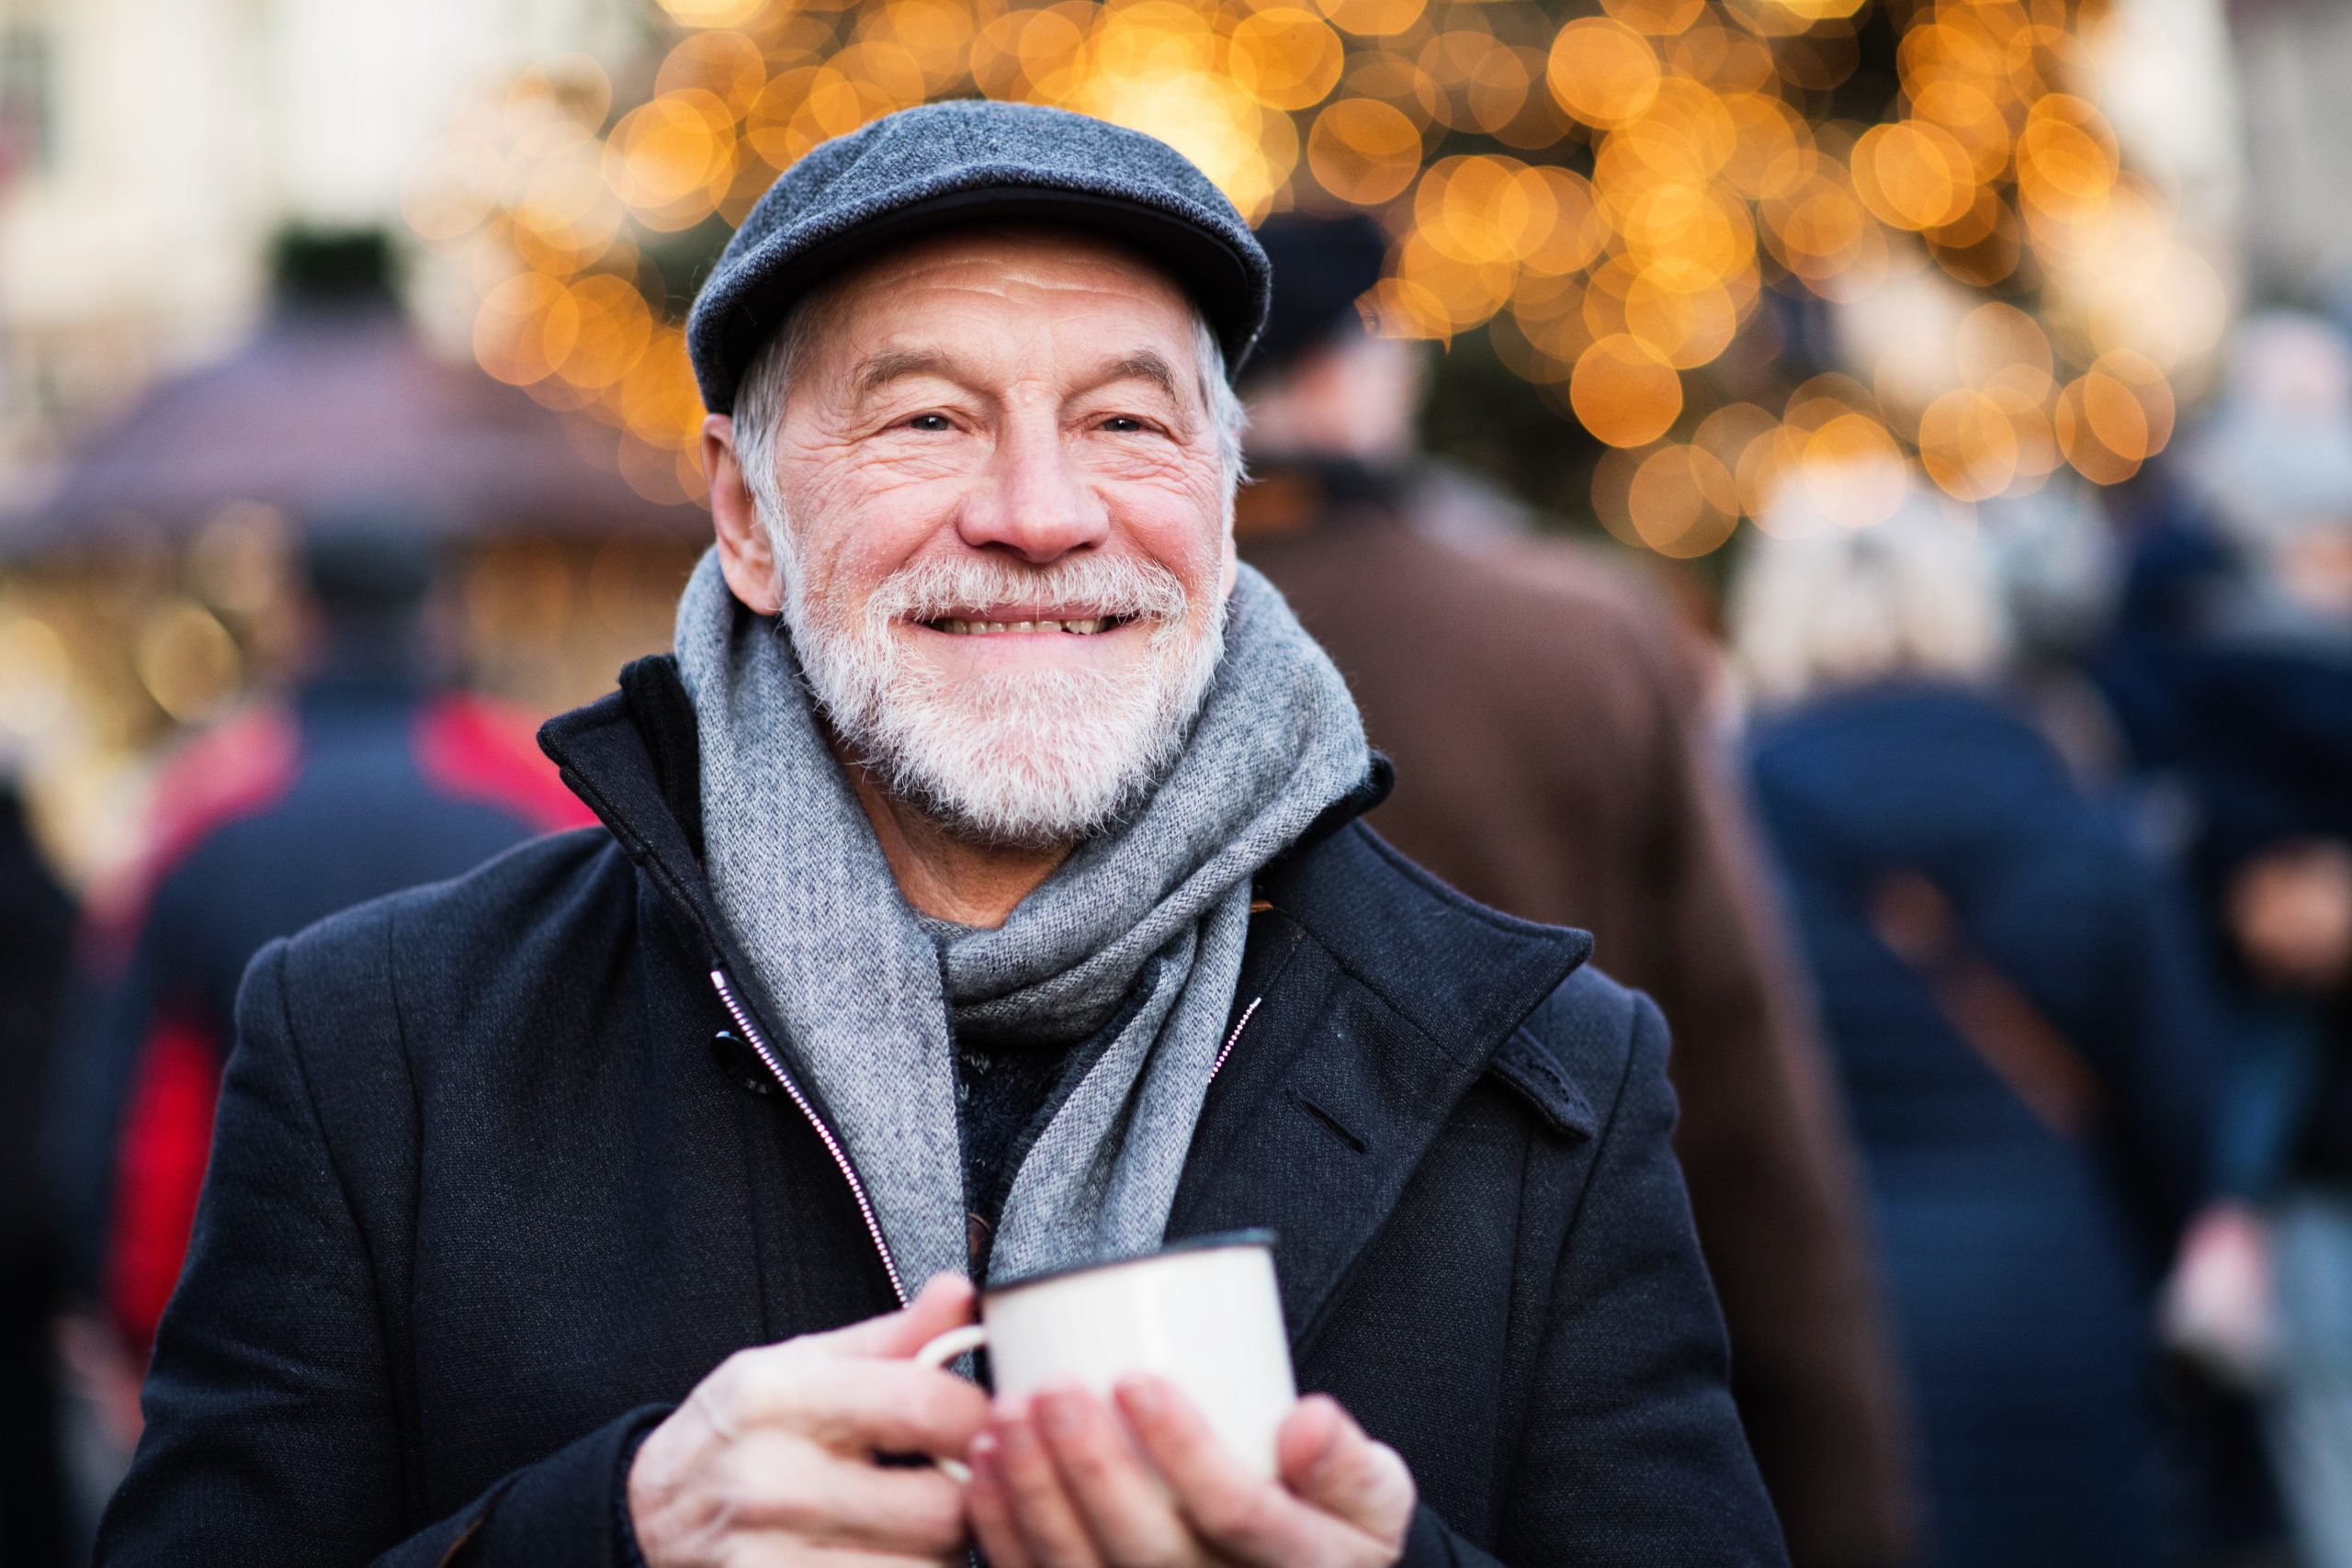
column 1215, row 1241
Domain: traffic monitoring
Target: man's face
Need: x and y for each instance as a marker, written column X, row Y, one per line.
column 1006, row 548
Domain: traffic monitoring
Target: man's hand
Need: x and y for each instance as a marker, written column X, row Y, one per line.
column 1066, row 1482
column 771, row 1459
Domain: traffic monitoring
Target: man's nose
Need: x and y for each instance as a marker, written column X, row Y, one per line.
column 1034, row 498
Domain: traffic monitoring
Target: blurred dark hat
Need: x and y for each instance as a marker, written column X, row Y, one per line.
column 367, row 564
column 1321, row 266
column 971, row 160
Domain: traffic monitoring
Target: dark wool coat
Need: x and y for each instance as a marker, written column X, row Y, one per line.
column 496, row 1183
column 2021, row 1259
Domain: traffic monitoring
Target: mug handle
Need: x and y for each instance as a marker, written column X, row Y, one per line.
column 938, row 1353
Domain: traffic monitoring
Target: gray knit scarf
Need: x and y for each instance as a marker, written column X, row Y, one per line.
column 1160, row 903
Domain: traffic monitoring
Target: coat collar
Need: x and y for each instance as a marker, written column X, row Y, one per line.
column 1373, row 997
column 1380, row 998
column 633, row 756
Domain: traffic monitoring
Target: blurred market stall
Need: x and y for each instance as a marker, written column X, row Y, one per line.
column 149, row 585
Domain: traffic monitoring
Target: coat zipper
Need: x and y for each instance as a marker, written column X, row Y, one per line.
column 1226, row 1049
column 758, row 1042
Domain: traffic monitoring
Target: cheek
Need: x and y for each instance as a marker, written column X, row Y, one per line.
column 1178, row 520
column 856, row 523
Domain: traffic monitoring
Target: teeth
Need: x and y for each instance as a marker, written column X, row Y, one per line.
column 1087, row 626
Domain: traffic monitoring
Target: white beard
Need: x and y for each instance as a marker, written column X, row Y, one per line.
column 1043, row 757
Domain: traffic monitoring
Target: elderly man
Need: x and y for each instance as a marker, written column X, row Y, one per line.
column 979, row 892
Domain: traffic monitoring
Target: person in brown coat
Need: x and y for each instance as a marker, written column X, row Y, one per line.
column 1546, row 715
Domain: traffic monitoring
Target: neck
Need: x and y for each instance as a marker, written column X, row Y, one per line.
column 943, row 875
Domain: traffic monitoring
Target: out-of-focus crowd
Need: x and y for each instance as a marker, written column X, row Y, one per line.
column 1994, row 868
column 2047, row 807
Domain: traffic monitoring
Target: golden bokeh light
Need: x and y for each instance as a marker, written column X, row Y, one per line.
column 2066, row 157
column 726, row 64
column 1682, row 502
column 1625, row 392
column 1373, row 19
column 1968, row 444
column 1628, row 203
column 1363, row 151
column 1284, row 57
column 1602, row 71
column 526, row 327
column 1679, row 310
column 1914, row 175
column 1662, row 19
column 1576, row 231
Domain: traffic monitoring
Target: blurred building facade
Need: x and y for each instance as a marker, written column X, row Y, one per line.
column 149, row 147
column 2298, row 118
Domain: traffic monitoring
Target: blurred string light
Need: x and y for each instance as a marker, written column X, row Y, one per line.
column 1613, row 196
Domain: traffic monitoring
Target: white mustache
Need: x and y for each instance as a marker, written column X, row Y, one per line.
column 1106, row 585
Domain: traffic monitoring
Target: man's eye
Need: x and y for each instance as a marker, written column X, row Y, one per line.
column 930, row 422
column 1122, row 425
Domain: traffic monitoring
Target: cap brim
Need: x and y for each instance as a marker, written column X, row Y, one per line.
column 1208, row 270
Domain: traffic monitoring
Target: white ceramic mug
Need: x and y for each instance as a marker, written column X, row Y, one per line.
column 1203, row 1313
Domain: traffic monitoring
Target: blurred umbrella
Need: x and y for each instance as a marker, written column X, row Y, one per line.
column 328, row 408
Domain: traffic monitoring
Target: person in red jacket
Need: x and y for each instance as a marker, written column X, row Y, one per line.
column 370, row 779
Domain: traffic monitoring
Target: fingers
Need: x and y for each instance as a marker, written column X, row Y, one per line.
column 781, row 1484
column 1127, row 1513
column 1328, row 1463
column 856, row 1405
column 990, row 1506
column 943, row 1303
column 1240, row 1513
column 1051, row 1534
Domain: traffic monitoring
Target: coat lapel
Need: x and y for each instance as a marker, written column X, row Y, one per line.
column 1382, row 997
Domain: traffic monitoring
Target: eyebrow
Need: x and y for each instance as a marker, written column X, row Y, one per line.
column 1145, row 365
column 894, row 364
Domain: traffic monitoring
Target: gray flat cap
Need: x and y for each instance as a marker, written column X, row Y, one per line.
column 964, row 162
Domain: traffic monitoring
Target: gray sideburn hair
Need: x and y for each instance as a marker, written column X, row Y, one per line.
column 759, row 408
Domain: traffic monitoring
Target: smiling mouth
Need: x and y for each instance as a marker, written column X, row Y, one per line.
column 1076, row 626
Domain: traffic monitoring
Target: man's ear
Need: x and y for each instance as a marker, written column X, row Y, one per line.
column 745, row 558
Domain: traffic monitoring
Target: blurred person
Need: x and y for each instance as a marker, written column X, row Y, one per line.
column 2236, row 677
column 2015, row 1015
column 36, row 924
column 373, row 777
column 1554, row 759
column 980, row 893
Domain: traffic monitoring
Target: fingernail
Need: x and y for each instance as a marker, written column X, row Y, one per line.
column 1020, row 1442
column 1059, row 1412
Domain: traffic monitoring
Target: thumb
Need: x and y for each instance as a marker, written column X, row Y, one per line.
column 943, row 1303
column 1328, row 1463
